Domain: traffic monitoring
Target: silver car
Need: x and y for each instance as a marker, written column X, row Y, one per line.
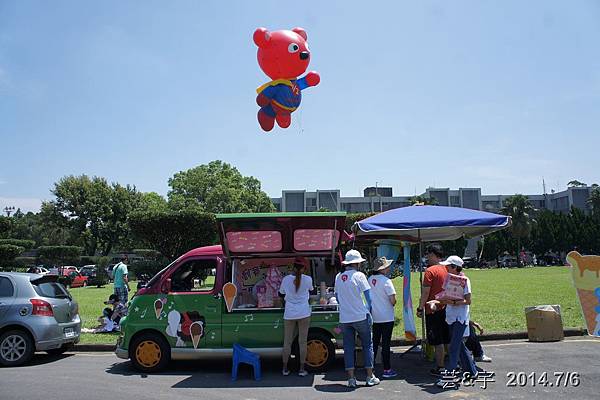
column 36, row 314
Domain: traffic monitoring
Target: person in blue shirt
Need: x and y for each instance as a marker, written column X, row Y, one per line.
column 121, row 281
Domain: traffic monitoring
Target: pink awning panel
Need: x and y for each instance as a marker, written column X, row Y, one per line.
column 315, row 239
column 254, row 241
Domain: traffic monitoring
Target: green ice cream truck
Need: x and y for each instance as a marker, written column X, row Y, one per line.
column 212, row 297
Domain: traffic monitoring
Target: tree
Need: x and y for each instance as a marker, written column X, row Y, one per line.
column 594, row 200
column 175, row 232
column 94, row 209
column 5, row 226
column 423, row 201
column 8, row 253
column 576, row 183
column 521, row 212
column 152, row 202
column 217, row 188
column 59, row 255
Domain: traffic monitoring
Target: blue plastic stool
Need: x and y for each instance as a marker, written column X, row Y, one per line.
column 243, row 355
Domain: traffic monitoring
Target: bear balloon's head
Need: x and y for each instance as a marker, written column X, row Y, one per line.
column 282, row 54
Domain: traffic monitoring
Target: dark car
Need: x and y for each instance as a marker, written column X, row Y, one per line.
column 88, row 270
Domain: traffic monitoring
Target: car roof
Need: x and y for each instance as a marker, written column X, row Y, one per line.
column 22, row 275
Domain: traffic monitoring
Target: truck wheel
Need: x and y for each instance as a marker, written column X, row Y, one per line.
column 149, row 352
column 16, row 348
column 320, row 352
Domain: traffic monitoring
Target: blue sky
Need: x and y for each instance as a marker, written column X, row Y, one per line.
column 485, row 94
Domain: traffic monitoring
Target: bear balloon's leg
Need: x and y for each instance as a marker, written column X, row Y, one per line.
column 266, row 118
column 283, row 119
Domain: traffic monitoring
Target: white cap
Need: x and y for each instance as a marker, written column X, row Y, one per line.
column 454, row 260
column 353, row 257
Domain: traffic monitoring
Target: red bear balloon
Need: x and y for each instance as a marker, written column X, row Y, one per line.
column 283, row 56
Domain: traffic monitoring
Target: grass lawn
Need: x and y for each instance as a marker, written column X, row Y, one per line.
column 91, row 303
column 499, row 297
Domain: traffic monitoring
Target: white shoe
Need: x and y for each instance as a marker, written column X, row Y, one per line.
column 372, row 381
column 483, row 358
column 352, row 383
column 285, row 372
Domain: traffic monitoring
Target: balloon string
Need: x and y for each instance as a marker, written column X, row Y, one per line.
column 300, row 128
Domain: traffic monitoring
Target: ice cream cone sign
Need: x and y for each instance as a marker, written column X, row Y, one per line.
column 586, row 278
column 158, row 307
column 196, row 331
column 229, row 292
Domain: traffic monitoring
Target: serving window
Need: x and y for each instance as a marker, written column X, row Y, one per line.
column 258, row 280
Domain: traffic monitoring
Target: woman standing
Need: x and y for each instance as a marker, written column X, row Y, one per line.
column 457, row 317
column 296, row 291
column 351, row 286
column 383, row 300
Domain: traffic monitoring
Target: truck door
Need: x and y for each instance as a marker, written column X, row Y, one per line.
column 193, row 305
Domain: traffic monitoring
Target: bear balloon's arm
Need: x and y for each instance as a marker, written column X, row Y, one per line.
column 264, row 98
column 310, row 79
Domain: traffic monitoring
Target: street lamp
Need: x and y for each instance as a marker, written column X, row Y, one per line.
column 9, row 210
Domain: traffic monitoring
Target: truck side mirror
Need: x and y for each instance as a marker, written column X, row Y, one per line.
column 166, row 286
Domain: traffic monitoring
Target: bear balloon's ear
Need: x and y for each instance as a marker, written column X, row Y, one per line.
column 301, row 32
column 261, row 37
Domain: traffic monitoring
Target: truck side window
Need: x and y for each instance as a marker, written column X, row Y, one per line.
column 194, row 276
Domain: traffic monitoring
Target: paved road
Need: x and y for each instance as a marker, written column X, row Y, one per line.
column 94, row 376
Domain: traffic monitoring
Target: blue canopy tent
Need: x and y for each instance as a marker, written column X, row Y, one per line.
column 418, row 224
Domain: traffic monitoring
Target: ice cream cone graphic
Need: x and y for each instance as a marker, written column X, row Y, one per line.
column 158, row 306
column 229, row 292
column 196, row 330
column 586, row 278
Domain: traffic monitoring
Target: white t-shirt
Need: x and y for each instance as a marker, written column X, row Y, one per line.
column 461, row 312
column 381, row 290
column 349, row 286
column 296, row 302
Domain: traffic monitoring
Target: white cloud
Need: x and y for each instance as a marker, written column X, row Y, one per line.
column 24, row 203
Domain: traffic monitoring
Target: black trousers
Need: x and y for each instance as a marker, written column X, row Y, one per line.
column 473, row 344
column 382, row 333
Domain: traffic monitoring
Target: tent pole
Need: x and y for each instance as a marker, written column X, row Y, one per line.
column 423, row 327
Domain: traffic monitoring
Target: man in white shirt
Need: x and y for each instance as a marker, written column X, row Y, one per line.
column 350, row 287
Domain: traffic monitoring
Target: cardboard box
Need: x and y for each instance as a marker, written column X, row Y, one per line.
column 544, row 323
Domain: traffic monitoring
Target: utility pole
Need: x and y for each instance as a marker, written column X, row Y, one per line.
column 8, row 210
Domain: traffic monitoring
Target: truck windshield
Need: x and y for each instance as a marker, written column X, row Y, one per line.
column 156, row 277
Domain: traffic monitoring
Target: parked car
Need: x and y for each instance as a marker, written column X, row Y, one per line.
column 109, row 271
column 68, row 269
column 36, row 314
column 215, row 296
column 88, row 270
column 77, row 280
column 38, row 270
column 508, row 261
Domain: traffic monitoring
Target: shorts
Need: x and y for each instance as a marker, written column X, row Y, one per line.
column 437, row 328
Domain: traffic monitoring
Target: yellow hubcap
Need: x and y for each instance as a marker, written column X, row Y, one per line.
column 316, row 353
column 148, row 353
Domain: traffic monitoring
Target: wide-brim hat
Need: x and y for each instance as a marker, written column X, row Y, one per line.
column 453, row 260
column 381, row 263
column 353, row 257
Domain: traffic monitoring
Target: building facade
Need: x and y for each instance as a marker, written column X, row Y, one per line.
column 382, row 199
